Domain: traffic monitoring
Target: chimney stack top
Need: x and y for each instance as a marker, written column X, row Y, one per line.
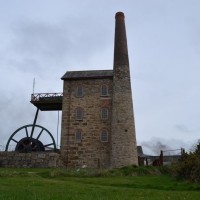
column 119, row 15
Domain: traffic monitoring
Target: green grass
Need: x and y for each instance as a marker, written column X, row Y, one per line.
column 57, row 184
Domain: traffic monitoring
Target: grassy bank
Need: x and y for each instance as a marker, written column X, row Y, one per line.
column 23, row 184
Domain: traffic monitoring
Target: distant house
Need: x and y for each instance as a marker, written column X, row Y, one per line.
column 144, row 159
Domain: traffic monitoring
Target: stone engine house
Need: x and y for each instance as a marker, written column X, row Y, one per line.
column 98, row 127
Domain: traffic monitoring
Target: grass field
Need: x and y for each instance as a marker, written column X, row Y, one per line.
column 35, row 184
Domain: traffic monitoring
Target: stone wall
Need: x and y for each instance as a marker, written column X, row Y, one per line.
column 91, row 151
column 30, row 160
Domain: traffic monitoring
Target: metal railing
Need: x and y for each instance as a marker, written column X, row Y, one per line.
column 39, row 96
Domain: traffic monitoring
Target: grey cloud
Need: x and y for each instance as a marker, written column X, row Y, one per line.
column 26, row 65
column 169, row 146
column 45, row 41
column 41, row 45
column 182, row 128
column 155, row 146
column 41, row 40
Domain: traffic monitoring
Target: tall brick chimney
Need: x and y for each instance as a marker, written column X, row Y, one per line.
column 123, row 137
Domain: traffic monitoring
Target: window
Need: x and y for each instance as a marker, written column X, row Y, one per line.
column 104, row 113
column 104, row 90
column 104, row 136
column 79, row 114
column 78, row 136
column 79, row 91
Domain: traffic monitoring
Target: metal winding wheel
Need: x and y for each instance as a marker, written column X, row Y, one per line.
column 31, row 142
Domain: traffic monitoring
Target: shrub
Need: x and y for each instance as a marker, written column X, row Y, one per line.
column 188, row 167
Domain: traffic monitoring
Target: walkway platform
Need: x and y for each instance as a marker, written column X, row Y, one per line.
column 47, row 101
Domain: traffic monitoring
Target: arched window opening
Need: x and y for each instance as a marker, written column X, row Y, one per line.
column 104, row 90
column 79, row 91
column 79, row 114
column 78, row 135
column 104, row 113
column 104, row 136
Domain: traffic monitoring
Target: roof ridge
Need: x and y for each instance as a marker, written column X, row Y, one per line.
column 88, row 74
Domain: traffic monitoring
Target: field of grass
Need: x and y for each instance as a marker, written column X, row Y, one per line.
column 55, row 184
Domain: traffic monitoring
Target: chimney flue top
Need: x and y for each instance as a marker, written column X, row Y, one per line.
column 120, row 48
column 119, row 15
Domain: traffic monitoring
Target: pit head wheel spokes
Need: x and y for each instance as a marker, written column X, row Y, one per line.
column 30, row 140
column 29, row 144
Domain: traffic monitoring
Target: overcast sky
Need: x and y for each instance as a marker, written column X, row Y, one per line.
column 44, row 39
